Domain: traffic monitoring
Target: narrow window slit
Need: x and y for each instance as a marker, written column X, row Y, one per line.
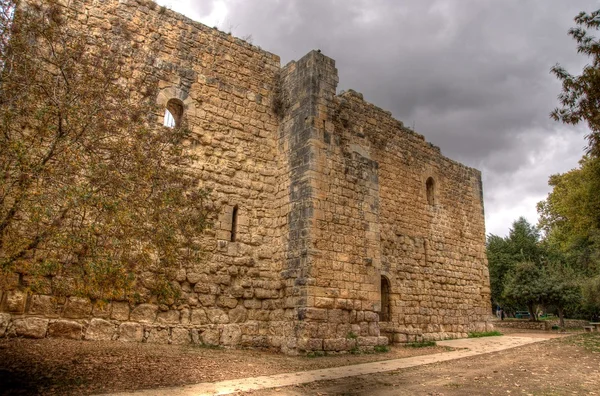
column 234, row 216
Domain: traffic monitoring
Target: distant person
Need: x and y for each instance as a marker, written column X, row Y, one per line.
column 595, row 318
column 501, row 314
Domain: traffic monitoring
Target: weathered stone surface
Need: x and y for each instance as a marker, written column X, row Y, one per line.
column 210, row 337
column 100, row 330
column 216, row 315
column 238, row 314
column 130, row 331
column 227, row 302
column 43, row 305
column 168, row 317
column 65, row 329
column 4, row 321
column 180, row 336
column 231, row 335
column 101, row 309
column 15, row 301
column 30, row 327
column 119, row 311
column 77, row 308
column 198, row 317
column 158, row 335
column 144, row 313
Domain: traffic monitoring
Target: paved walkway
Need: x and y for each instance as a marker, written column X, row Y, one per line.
column 469, row 347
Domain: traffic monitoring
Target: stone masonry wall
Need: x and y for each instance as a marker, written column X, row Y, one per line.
column 329, row 194
column 432, row 249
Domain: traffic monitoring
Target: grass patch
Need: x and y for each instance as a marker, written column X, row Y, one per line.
column 381, row 349
column 420, row 344
column 207, row 346
column 588, row 341
column 316, row 354
column 478, row 334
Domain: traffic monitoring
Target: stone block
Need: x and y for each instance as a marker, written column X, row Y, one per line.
column 101, row 309
column 310, row 344
column 374, row 328
column 100, row 330
column 4, row 322
column 226, row 302
column 65, row 329
column 315, row 314
column 144, row 313
column 338, row 316
column 30, row 327
column 15, row 301
column 367, row 341
column 185, row 316
column 371, row 316
column 77, row 308
column 168, row 317
column 195, row 277
column 158, row 335
column 207, row 300
column 43, row 305
column 231, row 335
column 119, row 311
column 324, row 302
column 210, row 337
column 335, row 344
column 180, row 336
column 238, row 315
column 400, row 338
column 217, row 316
column 198, row 317
column 131, row 332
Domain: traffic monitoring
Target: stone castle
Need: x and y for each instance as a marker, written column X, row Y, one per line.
column 338, row 227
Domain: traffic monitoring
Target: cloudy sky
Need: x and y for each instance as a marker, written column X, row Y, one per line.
column 472, row 76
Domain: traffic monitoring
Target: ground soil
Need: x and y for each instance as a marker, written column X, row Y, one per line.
column 53, row 366
column 560, row 366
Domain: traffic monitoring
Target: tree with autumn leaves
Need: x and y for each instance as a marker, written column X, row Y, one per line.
column 92, row 189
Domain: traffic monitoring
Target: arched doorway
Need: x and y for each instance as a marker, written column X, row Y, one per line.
column 384, row 314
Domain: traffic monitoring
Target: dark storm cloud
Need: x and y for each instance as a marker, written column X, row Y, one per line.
column 472, row 76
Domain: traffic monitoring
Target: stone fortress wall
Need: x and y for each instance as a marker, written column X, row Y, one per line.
column 351, row 230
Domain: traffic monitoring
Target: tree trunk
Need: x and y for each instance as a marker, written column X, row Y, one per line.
column 561, row 317
column 531, row 309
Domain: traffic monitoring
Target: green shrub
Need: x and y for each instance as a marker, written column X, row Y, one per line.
column 420, row 344
column 477, row 334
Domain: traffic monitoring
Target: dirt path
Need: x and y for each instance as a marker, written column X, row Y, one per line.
column 568, row 366
column 561, row 366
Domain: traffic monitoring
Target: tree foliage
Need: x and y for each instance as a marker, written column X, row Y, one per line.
column 92, row 190
column 521, row 245
column 525, row 284
column 580, row 97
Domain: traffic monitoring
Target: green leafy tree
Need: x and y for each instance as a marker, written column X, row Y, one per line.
column 580, row 97
column 526, row 284
column 591, row 293
column 562, row 288
column 570, row 215
column 521, row 244
column 92, row 190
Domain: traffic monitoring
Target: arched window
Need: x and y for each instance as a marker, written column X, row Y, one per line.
column 173, row 113
column 384, row 315
column 430, row 186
